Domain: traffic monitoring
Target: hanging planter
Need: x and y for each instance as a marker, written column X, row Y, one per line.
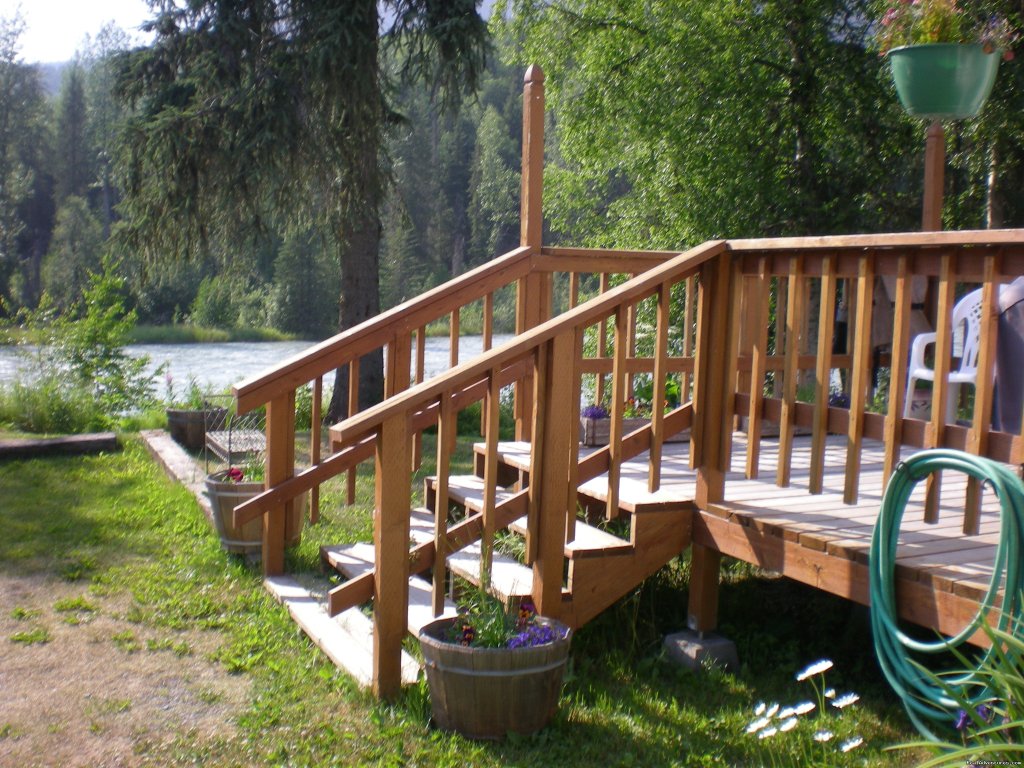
column 943, row 81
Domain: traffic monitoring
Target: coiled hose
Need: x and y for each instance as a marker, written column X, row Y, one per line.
column 925, row 700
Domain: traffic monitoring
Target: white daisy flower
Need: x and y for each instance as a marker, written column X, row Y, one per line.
column 767, row 733
column 849, row 744
column 845, row 700
column 770, row 712
column 758, row 724
column 816, row 668
column 786, row 712
column 804, row 707
column 823, row 736
column 830, row 693
column 789, row 725
column 760, row 708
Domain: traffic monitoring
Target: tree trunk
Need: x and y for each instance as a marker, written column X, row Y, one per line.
column 994, row 217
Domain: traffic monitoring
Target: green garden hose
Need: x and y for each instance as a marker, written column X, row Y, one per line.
column 927, row 702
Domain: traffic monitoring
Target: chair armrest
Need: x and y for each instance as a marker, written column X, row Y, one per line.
column 917, row 349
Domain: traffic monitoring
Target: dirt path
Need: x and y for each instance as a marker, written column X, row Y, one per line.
column 101, row 689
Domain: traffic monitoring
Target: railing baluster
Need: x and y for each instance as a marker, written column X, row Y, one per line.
column 630, row 348
column 689, row 317
column 860, row 375
column 940, row 387
column 446, row 426
column 492, row 403
column 898, row 366
column 658, row 390
column 488, row 336
column 314, row 447
column 576, row 381
column 823, row 371
column 602, row 344
column 421, row 351
column 618, row 408
column 758, row 359
column 453, row 339
column 353, row 408
column 794, row 322
column 574, row 289
column 977, row 436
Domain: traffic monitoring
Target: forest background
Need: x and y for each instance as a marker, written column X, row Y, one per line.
column 669, row 123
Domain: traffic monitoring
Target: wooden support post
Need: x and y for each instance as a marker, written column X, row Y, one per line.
column 536, row 287
column 712, row 380
column 488, row 338
column 689, row 318
column 934, row 178
column 556, row 432
column 280, row 465
column 391, row 554
column 453, row 339
column 602, row 343
column 421, row 352
column 702, row 612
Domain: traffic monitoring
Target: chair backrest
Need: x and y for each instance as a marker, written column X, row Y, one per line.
column 968, row 312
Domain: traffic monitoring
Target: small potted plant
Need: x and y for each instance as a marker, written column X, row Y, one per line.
column 233, row 486
column 944, row 58
column 189, row 415
column 494, row 669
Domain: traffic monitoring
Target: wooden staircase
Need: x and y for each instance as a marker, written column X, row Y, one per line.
column 601, row 566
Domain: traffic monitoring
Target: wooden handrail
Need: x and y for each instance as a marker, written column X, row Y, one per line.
column 378, row 331
column 583, row 315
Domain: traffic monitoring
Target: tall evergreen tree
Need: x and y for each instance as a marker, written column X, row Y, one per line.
column 73, row 166
column 273, row 111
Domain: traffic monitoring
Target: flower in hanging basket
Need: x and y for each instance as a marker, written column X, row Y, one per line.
column 925, row 22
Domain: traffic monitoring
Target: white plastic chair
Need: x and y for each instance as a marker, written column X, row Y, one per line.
column 967, row 312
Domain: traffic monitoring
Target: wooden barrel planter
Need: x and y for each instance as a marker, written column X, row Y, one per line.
column 188, row 427
column 225, row 495
column 484, row 693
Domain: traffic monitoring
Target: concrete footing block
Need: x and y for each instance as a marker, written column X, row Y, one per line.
column 695, row 650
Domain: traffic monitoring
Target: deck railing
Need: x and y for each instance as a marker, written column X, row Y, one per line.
column 746, row 328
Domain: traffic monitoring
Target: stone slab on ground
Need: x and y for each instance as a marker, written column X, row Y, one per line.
column 34, row 447
column 179, row 465
column 694, row 650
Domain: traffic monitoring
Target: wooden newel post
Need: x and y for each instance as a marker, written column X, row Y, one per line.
column 280, row 465
column 934, row 178
column 533, row 297
column 391, row 553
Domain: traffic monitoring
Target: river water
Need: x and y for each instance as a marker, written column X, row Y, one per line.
column 217, row 366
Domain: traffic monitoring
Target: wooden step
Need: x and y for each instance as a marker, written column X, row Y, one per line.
column 353, row 560
column 588, row 540
column 347, row 639
column 468, row 491
column 509, row 578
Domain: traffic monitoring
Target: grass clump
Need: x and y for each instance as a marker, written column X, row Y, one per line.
column 37, row 636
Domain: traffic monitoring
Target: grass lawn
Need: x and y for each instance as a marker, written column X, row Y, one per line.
column 115, row 534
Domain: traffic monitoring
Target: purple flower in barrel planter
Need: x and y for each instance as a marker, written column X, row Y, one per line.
column 594, row 412
column 533, row 635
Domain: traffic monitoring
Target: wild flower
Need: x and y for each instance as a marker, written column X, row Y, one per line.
column 772, row 720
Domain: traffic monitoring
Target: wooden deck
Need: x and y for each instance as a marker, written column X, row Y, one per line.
column 818, row 539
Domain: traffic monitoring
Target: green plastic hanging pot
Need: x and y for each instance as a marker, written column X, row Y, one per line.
column 943, row 81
